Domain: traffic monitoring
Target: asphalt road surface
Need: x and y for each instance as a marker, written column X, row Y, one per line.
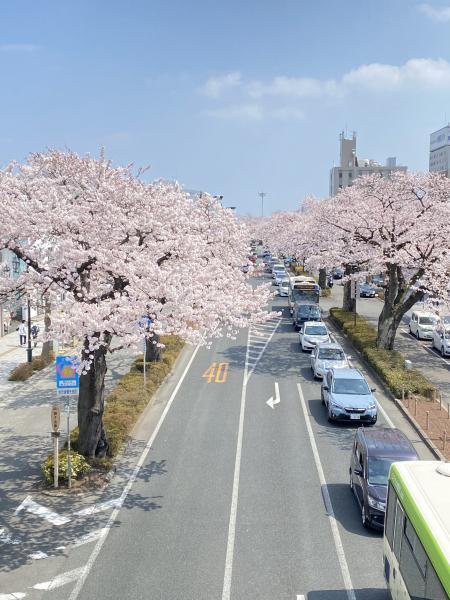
column 233, row 499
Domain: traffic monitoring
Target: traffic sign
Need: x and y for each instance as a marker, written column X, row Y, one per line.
column 67, row 377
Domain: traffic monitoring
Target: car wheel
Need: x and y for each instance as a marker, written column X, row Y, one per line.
column 321, row 396
column 330, row 418
column 364, row 517
column 351, row 480
column 410, row 331
column 442, row 351
column 417, row 335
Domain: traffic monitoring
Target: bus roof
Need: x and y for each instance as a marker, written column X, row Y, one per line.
column 423, row 488
column 302, row 279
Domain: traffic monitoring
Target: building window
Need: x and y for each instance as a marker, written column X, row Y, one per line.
column 340, row 174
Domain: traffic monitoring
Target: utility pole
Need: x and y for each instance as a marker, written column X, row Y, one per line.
column 261, row 195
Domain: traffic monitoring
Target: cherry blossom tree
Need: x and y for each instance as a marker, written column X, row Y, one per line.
column 108, row 249
column 399, row 227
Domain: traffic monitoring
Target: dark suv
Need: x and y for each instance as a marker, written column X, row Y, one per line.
column 373, row 452
column 305, row 312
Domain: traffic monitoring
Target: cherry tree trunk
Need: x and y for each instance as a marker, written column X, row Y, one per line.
column 92, row 439
column 47, row 347
column 322, row 278
column 348, row 303
column 398, row 299
column 152, row 350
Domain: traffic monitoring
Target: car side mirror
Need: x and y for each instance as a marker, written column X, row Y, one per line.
column 373, row 389
column 325, row 387
column 349, row 357
column 358, row 471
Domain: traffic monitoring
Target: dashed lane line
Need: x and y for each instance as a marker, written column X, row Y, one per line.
column 328, row 504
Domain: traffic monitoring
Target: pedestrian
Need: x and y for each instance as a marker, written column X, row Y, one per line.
column 22, row 333
column 34, row 334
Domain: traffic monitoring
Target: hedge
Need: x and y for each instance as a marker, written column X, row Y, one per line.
column 388, row 364
column 24, row 371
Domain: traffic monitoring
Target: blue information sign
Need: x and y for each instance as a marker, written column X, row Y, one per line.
column 67, row 377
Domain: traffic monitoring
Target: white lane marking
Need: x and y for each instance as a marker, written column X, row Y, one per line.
column 89, row 537
column 12, row 596
column 328, row 504
column 385, row 415
column 8, row 538
column 38, row 555
column 42, row 511
column 96, row 508
column 226, row 590
column 300, row 597
column 60, row 580
column 271, row 401
column 96, row 551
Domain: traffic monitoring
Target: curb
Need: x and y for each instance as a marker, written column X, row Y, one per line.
column 421, row 433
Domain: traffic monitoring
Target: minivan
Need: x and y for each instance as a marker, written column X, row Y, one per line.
column 422, row 324
column 373, row 452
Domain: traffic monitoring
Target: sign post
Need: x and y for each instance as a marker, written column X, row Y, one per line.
column 68, row 385
column 55, row 417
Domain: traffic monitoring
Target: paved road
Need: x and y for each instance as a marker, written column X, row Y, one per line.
column 231, row 500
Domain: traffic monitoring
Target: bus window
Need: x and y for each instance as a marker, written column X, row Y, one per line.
column 412, row 561
column 390, row 515
column 434, row 589
column 398, row 532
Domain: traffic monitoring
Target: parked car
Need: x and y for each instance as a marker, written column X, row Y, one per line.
column 367, row 291
column 283, row 288
column 441, row 339
column 327, row 356
column 379, row 281
column 307, row 311
column 348, row 397
column 373, row 452
column 313, row 333
column 422, row 324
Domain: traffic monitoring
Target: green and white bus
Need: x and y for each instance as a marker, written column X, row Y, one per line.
column 416, row 543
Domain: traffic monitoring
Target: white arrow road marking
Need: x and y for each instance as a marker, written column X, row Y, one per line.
column 42, row 511
column 271, row 402
column 95, row 508
column 60, row 580
column 7, row 538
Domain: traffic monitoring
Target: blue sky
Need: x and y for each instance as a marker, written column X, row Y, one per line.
column 232, row 97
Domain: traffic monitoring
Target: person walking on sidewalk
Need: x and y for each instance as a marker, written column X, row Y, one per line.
column 34, row 334
column 22, row 333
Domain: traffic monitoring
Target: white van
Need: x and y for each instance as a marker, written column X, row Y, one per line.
column 422, row 324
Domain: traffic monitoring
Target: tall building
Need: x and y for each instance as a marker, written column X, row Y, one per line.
column 440, row 151
column 350, row 166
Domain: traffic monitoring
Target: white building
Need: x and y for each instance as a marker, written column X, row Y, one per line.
column 350, row 166
column 440, row 151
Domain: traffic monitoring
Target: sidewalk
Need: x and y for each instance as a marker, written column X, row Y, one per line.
column 12, row 354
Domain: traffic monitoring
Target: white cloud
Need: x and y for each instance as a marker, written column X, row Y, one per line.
column 214, row 87
column 240, row 111
column 301, row 87
column 440, row 14
column 18, row 47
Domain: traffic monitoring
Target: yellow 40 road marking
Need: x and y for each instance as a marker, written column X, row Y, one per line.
column 217, row 373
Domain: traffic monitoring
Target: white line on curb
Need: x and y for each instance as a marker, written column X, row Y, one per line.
column 328, row 504
column 96, row 551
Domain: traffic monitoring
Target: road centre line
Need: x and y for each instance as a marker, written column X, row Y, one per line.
column 328, row 504
column 96, row 551
column 226, row 590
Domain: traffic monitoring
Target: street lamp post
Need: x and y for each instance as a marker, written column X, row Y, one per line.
column 29, row 346
column 262, row 195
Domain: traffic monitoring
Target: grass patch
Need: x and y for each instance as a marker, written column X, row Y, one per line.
column 129, row 397
column 388, row 364
column 25, row 370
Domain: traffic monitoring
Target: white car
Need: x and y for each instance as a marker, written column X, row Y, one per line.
column 313, row 333
column 279, row 277
column 283, row 288
column 441, row 339
column 278, row 268
column 422, row 324
column 327, row 356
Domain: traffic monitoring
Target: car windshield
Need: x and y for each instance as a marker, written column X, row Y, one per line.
column 331, row 354
column 350, row 386
column 379, row 470
column 315, row 330
column 427, row 320
column 309, row 311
